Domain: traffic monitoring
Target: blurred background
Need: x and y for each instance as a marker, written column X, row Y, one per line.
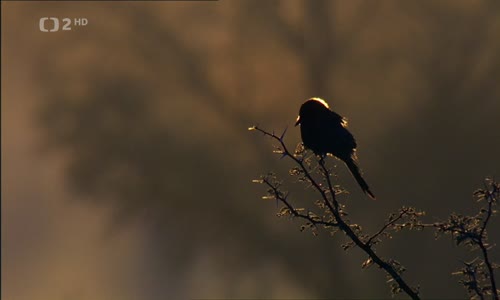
column 127, row 164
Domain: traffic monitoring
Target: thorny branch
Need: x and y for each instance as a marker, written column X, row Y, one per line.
column 393, row 219
column 312, row 218
column 471, row 231
column 479, row 277
column 332, row 206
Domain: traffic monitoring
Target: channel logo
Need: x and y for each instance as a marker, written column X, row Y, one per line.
column 53, row 24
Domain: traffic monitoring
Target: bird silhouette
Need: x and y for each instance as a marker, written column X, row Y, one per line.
column 325, row 132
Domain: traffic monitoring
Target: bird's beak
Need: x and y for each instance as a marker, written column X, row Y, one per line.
column 297, row 122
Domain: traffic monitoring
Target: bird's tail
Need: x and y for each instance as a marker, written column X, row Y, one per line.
column 353, row 167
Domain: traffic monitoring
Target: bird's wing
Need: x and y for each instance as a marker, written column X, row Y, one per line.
column 338, row 125
column 336, row 118
column 348, row 138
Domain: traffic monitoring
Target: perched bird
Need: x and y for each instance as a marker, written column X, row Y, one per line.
column 324, row 131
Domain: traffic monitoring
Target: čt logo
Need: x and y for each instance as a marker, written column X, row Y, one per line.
column 55, row 24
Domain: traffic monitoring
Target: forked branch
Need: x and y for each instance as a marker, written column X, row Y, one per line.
column 334, row 209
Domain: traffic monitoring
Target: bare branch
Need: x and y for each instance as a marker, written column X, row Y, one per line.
column 283, row 198
column 392, row 220
column 391, row 267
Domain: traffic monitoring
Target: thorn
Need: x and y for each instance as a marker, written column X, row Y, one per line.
column 283, row 134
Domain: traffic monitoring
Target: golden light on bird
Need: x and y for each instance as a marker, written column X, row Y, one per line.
column 320, row 100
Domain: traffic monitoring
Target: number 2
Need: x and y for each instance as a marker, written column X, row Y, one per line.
column 67, row 24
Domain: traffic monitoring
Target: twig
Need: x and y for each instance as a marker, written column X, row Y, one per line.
column 391, row 222
column 279, row 196
column 473, row 283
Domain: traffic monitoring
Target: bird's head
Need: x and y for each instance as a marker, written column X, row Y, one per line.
column 311, row 109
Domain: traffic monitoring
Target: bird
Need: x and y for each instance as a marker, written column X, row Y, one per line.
column 325, row 132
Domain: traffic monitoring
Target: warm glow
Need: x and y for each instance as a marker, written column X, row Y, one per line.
column 321, row 100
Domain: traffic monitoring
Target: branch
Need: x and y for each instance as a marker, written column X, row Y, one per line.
column 391, row 267
column 491, row 196
column 283, row 198
column 391, row 222
column 471, row 230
